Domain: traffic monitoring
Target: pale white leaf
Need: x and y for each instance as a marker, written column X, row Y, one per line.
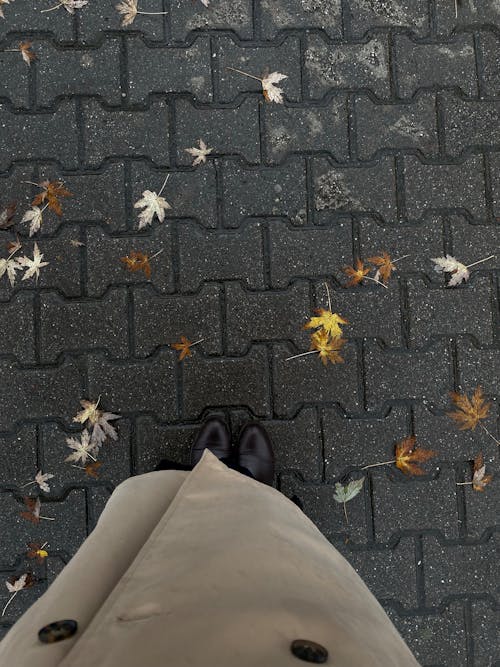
column 34, row 217
column 128, row 9
column 83, row 448
column 349, row 491
column 449, row 264
column 18, row 584
column 41, row 480
column 32, row 266
column 9, row 266
column 153, row 205
column 271, row 92
column 199, row 153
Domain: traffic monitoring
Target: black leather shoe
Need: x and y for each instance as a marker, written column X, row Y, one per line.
column 213, row 435
column 255, row 452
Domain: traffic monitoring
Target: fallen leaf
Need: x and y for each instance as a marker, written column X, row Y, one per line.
column 153, row 205
column 9, row 266
column 92, row 469
column 98, row 419
column 407, row 456
column 183, row 346
column 14, row 246
column 34, row 506
column 137, row 261
column 470, row 412
column 27, row 54
column 32, row 266
column 7, row 215
column 449, row 264
column 83, row 448
column 76, row 243
column 3, row 2
column 328, row 321
column 271, row 92
column 69, row 5
column 34, row 217
column 344, row 493
column 357, row 274
column 386, row 267
column 15, row 584
column 327, row 347
column 200, row 154
column 128, row 8
column 480, row 479
column 36, row 550
column 41, row 479
column 52, row 190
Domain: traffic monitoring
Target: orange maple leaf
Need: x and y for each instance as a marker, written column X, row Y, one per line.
column 52, row 191
column 407, row 456
column 33, row 512
column 327, row 347
column 27, row 54
column 357, row 274
column 137, row 261
column 183, row 346
column 386, row 267
column 469, row 412
column 480, row 479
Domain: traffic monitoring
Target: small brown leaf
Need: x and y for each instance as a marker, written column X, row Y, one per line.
column 52, row 191
column 407, row 456
column 480, row 479
column 183, row 347
column 7, row 215
column 327, row 347
column 470, row 412
column 357, row 274
column 386, row 267
column 92, row 469
column 27, row 54
column 137, row 261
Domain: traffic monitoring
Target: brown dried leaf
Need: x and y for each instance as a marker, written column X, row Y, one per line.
column 183, row 347
column 357, row 274
column 480, row 479
column 27, row 54
column 327, row 347
column 137, row 261
column 52, row 191
column 407, row 456
column 386, row 267
column 7, row 215
column 469, row 412
column 328, row 321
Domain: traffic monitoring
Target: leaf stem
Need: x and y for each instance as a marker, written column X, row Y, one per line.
column 9, row 601
column 373, row 465
column 47, row 518
column 197, row 341
column 479, row 261
column 52, row 8
column 156, row 254
column 164, row 184
column 490, row 434
column 399, row 259
column 329, row 300
column 345, row 513
column 463, row 483
column 152, row 13
column 28, row 483
column 375, row 281
column 245, row 73
column 303, row 354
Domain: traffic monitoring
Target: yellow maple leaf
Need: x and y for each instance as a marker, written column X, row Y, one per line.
column 407, row 456
column 328, row 321
column 327, row 347
column 470, row 412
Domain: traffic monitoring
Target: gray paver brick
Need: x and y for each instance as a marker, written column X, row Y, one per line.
column 306, row 380
column 93, row 72
column 51, row 135
column 350, row 442
column 18, row 455
column 169, row 69
column 161, row 320
column 118, row 383
column 416, row 504
column 430, row 310
column 469, row 123
column 17, row 328
column 359, row 189
column 98, row 17
column 206, row 255
column 116, row 133
column 423, row 65
column 473, row 242
column 332, row 66
column 234, row 15
column 477, row 366
column 368, row 14
column 495, row 178
column 436, row 639
column 265, row 316
column 20, row 18
column 158, row 441
column 429, row 187
column 231, row 381
column 91, row 325
column 296, row 129
column 404, row 126
column 227, row 131
column 481, row 508
column 470, row 13
column 323, row 14
column 445, row 565
column 490, row 50
column 277, row 191
column 485, row 626
column 284, row 58
column 388, row 572
column 388, row 369
column 14, row 84
column 312, row 252
column 37, row 393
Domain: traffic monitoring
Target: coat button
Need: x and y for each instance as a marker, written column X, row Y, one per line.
column 304, row 649
column 57, row 631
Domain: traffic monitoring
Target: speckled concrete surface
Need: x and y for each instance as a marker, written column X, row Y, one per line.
column 388, row 139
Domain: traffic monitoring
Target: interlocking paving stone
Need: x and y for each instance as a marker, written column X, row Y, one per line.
column 387, row 140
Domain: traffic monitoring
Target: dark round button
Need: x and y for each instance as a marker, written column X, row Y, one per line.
column 304, row 649
column 57, row 631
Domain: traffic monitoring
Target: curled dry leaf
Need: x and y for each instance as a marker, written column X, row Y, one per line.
column 199, row 154
column 27, row 54
column 137, row 261
column 7, row 215
column 35, row 217
column 15, row 584
column 128, row 9
column 14, row 246
column 328, row 321
column 385, row 266
column 356, row 274
column 34, row 505
column 480, row 479
column 37, row 550
column 469, row 412
column 184, row 347
column 271, row 92
column 407, row 456
column 328, row 348
column 448, row 264
column 92, row 469
column 52, row 191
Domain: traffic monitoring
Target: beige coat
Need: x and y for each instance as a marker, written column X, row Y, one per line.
column 207, row 568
